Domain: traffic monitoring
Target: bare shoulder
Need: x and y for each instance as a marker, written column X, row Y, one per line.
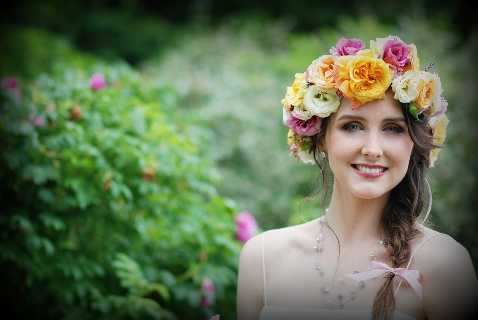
column 448, row 275
column 276, row 242
column 250, row 290
column 435, row 249
column 251, row 280
column 276, row 238
column 289, row 239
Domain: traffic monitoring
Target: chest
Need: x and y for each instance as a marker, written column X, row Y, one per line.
column 301, row 278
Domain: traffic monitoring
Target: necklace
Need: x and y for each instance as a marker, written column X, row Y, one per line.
column 328, row 289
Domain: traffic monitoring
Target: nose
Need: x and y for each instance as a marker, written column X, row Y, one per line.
column 371, row 147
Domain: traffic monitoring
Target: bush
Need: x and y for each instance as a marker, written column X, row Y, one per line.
column 111, row 209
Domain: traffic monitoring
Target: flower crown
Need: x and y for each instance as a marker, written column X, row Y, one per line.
column 362, row 75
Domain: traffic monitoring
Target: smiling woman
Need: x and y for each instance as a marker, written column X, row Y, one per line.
column 376, row 121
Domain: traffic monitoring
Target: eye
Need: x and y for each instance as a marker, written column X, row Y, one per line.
column 351, row 126
column 395, row 129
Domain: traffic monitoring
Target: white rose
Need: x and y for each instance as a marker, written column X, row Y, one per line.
column 305, row 156
column 300, row 113
column 406, row 86
column 285, row 116
column 321, row 102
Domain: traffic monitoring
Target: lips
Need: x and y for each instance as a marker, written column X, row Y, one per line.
column 369, row 171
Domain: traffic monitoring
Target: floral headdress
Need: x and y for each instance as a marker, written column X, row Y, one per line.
column 362, row 75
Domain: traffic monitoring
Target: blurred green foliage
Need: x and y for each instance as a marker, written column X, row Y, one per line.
column 110, row 206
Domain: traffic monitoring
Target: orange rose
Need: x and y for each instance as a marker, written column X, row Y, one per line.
column 321, row 72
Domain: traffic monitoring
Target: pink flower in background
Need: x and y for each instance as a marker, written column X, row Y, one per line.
column 304, row 127
column 246, row 226
column 207, row 286
column 346, row 47
column 205, row 302
column 397, row 54
column 11, row 85
column 208, row 290
column 97, row 81
column 39, row 121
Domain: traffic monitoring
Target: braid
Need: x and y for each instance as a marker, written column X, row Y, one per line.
column 405, row 205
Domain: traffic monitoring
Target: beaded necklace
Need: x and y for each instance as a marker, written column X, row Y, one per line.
column 328, row 289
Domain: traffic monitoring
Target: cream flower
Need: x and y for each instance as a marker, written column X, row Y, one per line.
column 298, row 112
column 301, row 113
column 299, row 147
column 421, row 87
column 429, row 92
column 295, row 94
column 321, row 102
column 406, row 86
column 306, row 157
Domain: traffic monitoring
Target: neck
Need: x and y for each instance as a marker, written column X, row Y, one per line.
column 356, row 219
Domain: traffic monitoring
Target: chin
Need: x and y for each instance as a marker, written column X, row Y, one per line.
column 369, row 193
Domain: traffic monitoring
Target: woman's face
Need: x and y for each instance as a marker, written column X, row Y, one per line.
column 368, row 148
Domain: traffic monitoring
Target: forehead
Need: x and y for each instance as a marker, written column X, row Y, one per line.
column 376, row 110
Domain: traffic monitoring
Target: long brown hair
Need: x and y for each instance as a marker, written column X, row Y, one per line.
column 405, row 204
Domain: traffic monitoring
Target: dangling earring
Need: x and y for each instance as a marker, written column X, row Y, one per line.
column 322, row 154
column 430, row 200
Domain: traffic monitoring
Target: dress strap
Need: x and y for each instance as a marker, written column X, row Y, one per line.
column 264, row 270
column 425, row 240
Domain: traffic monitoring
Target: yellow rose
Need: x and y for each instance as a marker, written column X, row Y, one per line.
column 363, row 78
column 438, row 125
column 295, row 94
column 429, row 90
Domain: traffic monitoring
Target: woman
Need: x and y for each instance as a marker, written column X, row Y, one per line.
column 376, row 120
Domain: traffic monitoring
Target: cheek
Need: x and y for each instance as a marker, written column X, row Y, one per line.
column 342, row 150
column 400, row 153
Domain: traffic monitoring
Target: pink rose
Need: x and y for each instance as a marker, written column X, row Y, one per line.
column 397, row 54
column 346, row 47
column 304, row 127
column 246, row 226
column 97, row 81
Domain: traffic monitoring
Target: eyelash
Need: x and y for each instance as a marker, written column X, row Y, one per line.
column 395, row 129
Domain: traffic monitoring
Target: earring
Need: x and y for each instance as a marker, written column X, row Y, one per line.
column 322, row 154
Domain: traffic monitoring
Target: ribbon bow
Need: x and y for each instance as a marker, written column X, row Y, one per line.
column 379, row 268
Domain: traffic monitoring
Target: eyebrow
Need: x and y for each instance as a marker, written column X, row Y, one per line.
column 349, row 116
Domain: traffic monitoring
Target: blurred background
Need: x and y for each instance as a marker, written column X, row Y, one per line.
column 141, row 143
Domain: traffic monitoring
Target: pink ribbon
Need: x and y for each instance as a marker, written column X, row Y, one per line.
column 379, row 268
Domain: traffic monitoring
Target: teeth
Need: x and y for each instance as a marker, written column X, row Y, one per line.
column 370, row 170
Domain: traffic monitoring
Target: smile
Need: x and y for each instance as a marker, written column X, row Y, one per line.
column 369, row 172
